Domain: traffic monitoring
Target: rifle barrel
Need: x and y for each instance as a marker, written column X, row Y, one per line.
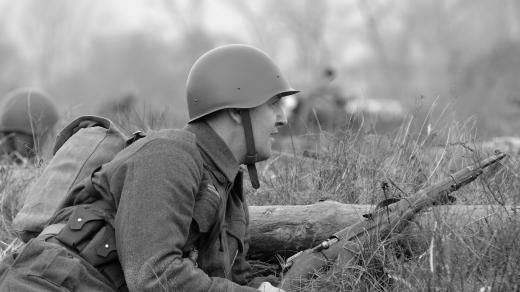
column 381, row 222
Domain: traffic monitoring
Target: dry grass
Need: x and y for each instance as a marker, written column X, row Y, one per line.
column 360, row 166
column 14, row 181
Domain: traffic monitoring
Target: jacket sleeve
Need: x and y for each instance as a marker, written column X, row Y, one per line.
column 155, row 211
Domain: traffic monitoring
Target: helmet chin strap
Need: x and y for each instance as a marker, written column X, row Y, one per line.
column 251, row 156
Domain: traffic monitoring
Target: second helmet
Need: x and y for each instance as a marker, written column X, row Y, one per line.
column 28, row 111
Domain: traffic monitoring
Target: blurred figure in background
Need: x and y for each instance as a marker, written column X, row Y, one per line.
column 323, row 109
column 131, row 112
column 27, row 120
column 119, row 107
column 122, row 110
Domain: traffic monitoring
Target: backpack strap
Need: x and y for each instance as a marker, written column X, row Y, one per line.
column 135, row 136
column 87, row 122
column 51, row 230
column 80, row 123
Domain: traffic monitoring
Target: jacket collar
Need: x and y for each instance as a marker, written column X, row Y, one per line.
column 215, row 149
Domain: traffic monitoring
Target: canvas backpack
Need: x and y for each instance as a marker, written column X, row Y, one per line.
column 81, row 147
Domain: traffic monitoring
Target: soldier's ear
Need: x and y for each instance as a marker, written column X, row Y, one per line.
column 234, row 115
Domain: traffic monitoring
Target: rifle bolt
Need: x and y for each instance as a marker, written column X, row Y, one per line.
column 325, row 245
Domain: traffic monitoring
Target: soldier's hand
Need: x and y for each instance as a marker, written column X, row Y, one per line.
column 267, row 287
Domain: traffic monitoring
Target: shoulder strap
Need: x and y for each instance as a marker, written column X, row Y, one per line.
column 135, row 136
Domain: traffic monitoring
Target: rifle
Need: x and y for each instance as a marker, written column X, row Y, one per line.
column 389, row 216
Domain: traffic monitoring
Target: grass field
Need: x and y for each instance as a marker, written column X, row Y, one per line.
column 353, row 167
column 364, row 167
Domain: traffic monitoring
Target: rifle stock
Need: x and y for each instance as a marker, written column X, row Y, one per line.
column 345, row 245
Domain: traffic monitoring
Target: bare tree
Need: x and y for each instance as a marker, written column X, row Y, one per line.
column 52, row 35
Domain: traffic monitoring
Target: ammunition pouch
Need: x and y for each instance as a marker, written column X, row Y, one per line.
column 89, row 232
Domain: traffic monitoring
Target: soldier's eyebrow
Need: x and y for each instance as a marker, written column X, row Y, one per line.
column 274, row 99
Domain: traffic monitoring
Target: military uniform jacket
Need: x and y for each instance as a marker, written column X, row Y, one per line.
column 170, row 190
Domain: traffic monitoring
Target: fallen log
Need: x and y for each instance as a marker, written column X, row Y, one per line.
column 279, row 229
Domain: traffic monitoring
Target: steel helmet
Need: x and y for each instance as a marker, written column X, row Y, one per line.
column 233, row 76
column 27, row 110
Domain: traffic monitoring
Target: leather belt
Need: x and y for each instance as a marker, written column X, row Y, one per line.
column 52, row 229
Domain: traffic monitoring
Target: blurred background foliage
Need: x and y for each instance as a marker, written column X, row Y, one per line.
column 91, row 54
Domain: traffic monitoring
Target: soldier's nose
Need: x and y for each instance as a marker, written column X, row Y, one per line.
column 281, row 117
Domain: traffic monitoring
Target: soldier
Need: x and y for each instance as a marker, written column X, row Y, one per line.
column 27, row 120
column 182, row 218
column 323, row 109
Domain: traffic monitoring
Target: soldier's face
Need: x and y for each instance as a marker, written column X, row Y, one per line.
column 265, row 120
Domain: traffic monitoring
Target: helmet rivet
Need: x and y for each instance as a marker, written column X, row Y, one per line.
column 195, row 99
